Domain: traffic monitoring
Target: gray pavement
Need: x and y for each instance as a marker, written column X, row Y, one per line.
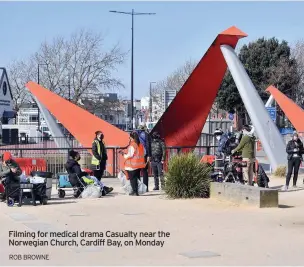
column 202, row 231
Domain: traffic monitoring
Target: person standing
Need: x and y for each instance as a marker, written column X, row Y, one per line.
column 145, row 140
column 135, row 161
column 246, row 146
column 158, row 156
column 100, row 157
column 294, row 151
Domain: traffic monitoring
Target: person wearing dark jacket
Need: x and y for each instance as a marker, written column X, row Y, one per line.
column 10, row 171
column 294, row 150
column 100, row 157
column 158, row 155
column 145, row 140
column 75, row 172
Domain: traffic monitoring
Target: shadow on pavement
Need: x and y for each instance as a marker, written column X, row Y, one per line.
column 285, row 206
column 60, row 202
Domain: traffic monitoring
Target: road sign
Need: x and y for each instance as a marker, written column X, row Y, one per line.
column 231, row 116
column 272, row 112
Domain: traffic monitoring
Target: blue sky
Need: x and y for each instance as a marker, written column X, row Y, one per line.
column 178, row 32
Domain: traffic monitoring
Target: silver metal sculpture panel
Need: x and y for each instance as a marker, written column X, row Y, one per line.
column 60, row 140
column 265, row 128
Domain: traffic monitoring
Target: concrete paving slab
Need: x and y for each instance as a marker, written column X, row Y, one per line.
column 200, row 254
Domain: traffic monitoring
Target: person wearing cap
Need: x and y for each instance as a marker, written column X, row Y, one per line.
column 10, row 170
column 294, row 150
column 100, row 157
column 246, row 147
column 158, row 155
column 221, row 138
column 145, row 140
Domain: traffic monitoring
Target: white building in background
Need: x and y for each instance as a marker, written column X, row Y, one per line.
column 167, row 98
column 145, row 103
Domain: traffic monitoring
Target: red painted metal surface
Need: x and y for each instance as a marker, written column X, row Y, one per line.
column 184, row 119
column 79, row 122
column 292, row 111
column 31, row 164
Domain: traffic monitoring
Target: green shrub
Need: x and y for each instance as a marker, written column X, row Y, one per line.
column 280, row 171
column 187, row 177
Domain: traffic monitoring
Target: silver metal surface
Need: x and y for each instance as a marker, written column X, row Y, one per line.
column 267, row 131
column 53, row 125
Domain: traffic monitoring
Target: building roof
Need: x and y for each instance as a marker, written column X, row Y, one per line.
column 3, row 73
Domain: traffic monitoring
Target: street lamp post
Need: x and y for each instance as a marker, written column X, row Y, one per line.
column 132, row 55
column 150, row 101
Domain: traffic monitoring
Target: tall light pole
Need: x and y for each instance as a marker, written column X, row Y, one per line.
column 132, row 55
column 150, row 102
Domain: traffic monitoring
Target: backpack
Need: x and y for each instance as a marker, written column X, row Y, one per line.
column 157, row 150
column 142, row 138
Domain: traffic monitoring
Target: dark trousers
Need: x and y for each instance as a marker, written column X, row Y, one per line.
column 134, row 176
column 12, row 186
column 293, row 165
column 99, row 170
column 157, row 168
column 145, row 174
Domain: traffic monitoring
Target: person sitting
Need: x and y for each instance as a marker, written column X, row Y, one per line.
column 76, row 174
column 10, row 172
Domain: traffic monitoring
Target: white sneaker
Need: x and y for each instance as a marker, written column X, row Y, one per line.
column 285, row 188
column 294, row 187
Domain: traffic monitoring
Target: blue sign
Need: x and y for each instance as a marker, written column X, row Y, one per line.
column 231, row 116
column 272, row 112
column 284, row 131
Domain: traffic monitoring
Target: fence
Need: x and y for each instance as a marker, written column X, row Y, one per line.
column 57, row 157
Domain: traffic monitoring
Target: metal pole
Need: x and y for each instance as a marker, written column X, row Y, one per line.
column 69, row 89
column 132, row 57
column 132, row 73
column 38, row 80
column 150, row 102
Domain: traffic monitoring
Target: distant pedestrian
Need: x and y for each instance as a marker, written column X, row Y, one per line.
column 158, row 156
column 145, row 140
column 294, row 151
column 100, row 157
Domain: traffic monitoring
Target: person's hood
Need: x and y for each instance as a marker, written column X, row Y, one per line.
column 71, row 162
column 251, row 133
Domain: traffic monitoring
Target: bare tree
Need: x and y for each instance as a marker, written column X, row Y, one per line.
column 176, row 80
column 298, row 53
column 19, row 73
column 72, row 67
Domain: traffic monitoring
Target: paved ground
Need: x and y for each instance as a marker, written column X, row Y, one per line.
column 202, row 231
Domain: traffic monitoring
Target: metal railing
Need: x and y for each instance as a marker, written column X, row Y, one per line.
column 42, row 142
column 57, row 157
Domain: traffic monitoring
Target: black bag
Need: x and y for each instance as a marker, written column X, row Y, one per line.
column 39, row 191
column 262, row 178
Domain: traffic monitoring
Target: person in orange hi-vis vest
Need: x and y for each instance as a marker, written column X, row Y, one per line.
column 135, row 161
